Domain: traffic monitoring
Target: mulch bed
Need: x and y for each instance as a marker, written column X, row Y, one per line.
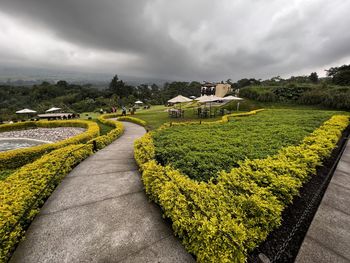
column 293, row 212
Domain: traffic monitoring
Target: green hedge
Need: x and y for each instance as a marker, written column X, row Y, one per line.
column 104, row 140
column 223, row 221
column 19, row 157
column 23, row 192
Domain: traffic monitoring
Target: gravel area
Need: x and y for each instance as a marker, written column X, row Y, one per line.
column 45, row 134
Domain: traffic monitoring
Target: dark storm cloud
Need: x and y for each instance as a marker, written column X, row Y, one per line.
column 198, row 39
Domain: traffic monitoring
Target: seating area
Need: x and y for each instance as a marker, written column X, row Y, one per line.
column 58, row 116
column 176, row 113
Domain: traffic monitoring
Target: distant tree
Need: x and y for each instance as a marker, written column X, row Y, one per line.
column 119, row 88
column 246, row 82
column 313, row 77
column 340, row 75
column 194, row 89
column 62, row 83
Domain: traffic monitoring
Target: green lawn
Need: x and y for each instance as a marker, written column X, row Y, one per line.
column 92, row 116
column 158, row 115
column 200, row 151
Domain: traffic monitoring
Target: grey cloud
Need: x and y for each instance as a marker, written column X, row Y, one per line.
column 199, row 39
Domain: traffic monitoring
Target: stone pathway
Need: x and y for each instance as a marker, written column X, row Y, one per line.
column 100, row 213
column 328, row 238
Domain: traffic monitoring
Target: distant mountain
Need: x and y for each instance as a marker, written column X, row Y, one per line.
column 30, row 76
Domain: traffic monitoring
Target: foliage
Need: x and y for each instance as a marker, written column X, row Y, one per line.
column 201, row 151
column 103, row 140
column 119, row 88
column 335, row 97
column 32, row 183
column 340, row 75
column 19, row 157
column 313, row 77
column 132, row 119
column 5, row 173
column 222, row 221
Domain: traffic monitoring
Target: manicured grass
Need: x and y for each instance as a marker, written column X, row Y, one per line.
column 104, row 129
column 158, row 115
column 200, row 151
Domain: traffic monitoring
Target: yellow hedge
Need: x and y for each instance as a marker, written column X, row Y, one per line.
column 223, row 221
column 22, row 193
column 132, row 119
column 19, row 157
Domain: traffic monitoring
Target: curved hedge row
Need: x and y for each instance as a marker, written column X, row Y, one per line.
column 19, row 157
column 133, row 120
column 23, row 192
column 223, row 221
column 104, row 140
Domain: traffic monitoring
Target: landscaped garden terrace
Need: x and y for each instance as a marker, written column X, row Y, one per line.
column 225, row 185
column 201, row 151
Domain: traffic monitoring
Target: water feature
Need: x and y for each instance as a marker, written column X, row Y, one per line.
column 7, row 144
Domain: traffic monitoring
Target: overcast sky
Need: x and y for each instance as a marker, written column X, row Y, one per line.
column 176, row 40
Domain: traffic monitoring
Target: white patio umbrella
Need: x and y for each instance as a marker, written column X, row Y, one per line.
column 231, row 98
column 228, row 98
column 138, row 102
column 208, row 99
column 53, row 109
column 25, row 111
column 179, row 99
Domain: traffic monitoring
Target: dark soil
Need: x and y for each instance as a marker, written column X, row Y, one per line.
column 292, row 213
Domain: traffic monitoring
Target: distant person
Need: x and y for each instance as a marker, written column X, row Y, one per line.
column 123, row 111
column 101, row 111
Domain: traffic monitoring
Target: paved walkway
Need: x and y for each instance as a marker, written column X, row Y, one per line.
column 99, row 213
column 328, row 238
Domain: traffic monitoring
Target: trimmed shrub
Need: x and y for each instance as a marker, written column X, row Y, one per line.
column 223, row 221
column 23, row 192
column 19, row 157
column 133, row 120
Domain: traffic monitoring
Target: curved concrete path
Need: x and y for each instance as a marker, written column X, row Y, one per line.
column 100, row 213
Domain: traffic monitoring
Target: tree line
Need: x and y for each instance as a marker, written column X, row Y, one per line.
column 84, row 98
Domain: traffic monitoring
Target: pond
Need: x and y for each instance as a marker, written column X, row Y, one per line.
column 7, row 144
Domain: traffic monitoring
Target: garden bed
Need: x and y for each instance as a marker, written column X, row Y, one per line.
column 225, row 219
column 202, row 151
